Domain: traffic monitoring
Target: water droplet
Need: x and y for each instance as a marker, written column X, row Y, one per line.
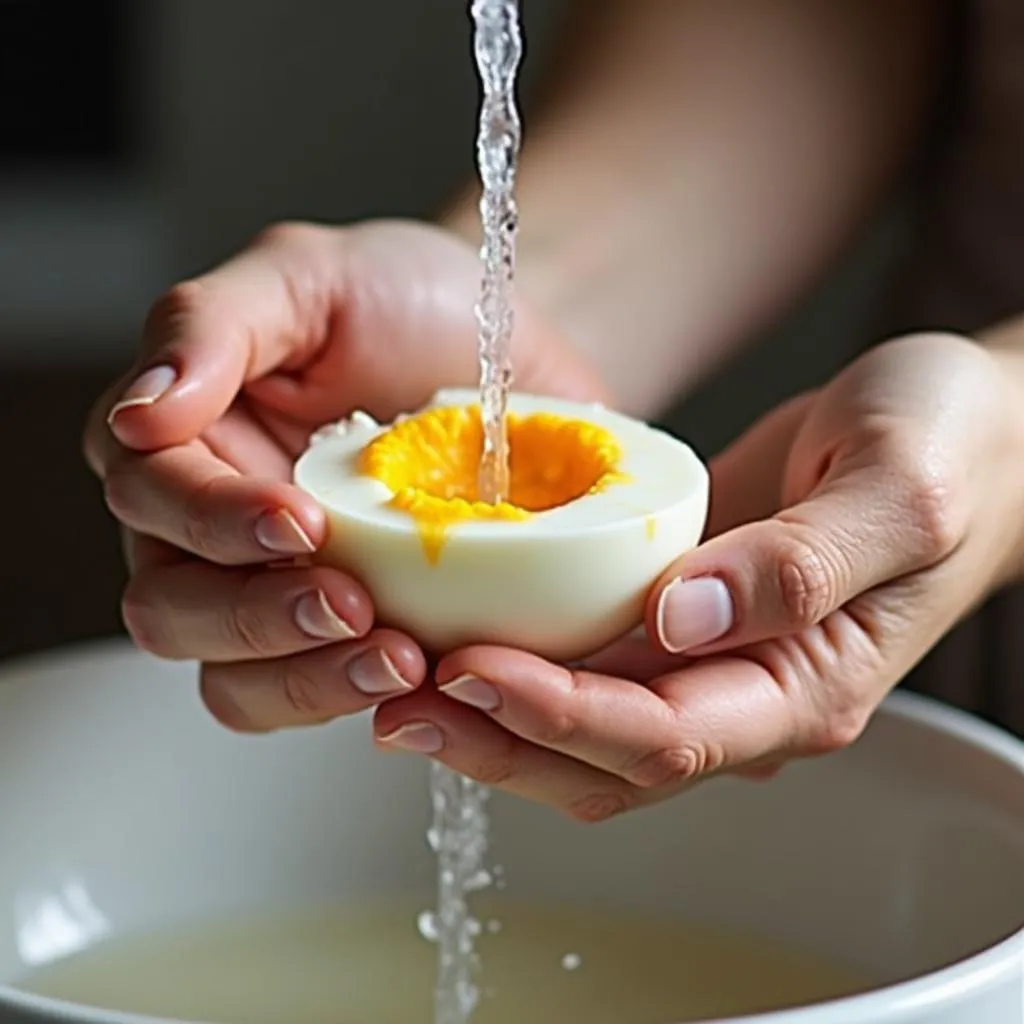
column 427, row 925
column 481, row 880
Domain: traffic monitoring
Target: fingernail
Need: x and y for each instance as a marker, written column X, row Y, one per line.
column 145, row 389
column 374, row 674
column 316, row 618
column 693, row 612
column 280, row 532
column 419, row 737
column 472, row 691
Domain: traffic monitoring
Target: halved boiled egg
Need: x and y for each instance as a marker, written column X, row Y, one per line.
column 599, row 504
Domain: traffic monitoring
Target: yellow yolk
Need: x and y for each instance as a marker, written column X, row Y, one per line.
column 431, row 462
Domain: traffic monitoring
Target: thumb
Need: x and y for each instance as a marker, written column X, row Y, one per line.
column 204, row 339
column 870, row 521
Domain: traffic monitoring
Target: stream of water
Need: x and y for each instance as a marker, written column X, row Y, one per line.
column 459, row 831
column 498, row 49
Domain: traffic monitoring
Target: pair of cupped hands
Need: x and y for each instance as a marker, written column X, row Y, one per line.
column 849, row 529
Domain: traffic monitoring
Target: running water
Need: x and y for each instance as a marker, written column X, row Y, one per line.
column 498, row 48
column 458, row 835
column 459, row 831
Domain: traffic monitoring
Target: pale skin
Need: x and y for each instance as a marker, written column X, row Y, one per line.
column 849, row 529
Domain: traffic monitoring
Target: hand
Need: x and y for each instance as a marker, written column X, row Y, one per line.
column 848, row 531
column 195, row 448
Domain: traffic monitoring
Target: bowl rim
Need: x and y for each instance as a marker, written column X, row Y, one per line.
column 957, row 981
column 953, row 983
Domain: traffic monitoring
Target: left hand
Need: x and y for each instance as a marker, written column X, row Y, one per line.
column 849, row 529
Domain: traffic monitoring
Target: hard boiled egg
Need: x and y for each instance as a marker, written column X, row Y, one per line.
column 599, row 504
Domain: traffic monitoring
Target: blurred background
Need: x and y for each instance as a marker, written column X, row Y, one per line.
column 143, row 140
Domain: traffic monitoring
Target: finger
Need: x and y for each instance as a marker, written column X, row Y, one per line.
column 269, row 307
column 249, row 445
column 633, row 657
column 199, row 611
column 187, row 497
column 600, row 720
column 711, row 716
column 313, row 687
column 99, row 445
column 879, row 513
column 472, row 744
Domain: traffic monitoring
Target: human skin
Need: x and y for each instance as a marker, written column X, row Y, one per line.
column 195, row 447
column 695, row 166
column 720, row 229
column 850, row 529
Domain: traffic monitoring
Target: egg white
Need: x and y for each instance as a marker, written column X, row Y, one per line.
column 562, row 583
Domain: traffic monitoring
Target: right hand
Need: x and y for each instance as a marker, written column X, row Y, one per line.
column 195, row 448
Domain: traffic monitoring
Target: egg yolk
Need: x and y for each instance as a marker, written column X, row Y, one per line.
column 431, row 462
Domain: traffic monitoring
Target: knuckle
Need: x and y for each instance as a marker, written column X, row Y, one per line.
column 289, row 234
column 249, row 628
column 667, row 766
column 805, row 582
column 557, row 729
column 927, row 494
column 933, row 515
column 839, row 729
column 199, row 528
column 199, row 535
column 180, row 302
column 119, row 494
column 141, row 621
column 302, row 693
column 495, row 770
column 594, row 808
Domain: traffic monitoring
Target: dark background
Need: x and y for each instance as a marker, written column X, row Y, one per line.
column 142, row 140
column 66, row 78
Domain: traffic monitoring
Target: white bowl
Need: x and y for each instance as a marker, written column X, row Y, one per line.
column 123, row 807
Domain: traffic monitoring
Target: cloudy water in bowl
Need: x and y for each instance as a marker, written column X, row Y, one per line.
column 370, row 966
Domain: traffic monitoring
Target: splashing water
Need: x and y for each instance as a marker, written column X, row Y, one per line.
column 458, row 835
column 459, row 831
column 498, row 49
